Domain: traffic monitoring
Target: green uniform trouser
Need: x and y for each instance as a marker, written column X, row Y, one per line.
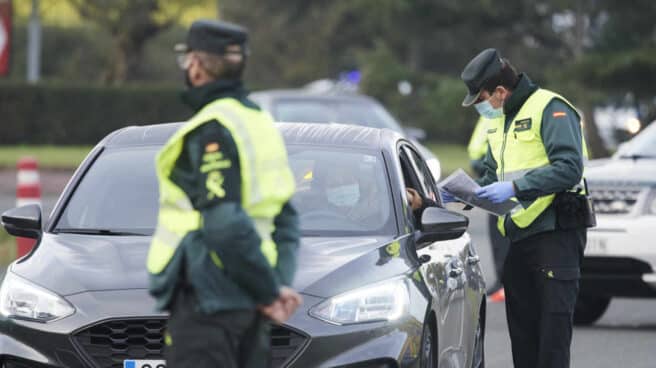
column 541, row 279
column 230, row 339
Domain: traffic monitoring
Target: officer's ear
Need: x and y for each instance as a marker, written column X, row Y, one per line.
column 502, row 93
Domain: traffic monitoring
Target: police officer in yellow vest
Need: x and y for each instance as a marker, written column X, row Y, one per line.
column 535, row 155
column 223, row 253
column 477, row 149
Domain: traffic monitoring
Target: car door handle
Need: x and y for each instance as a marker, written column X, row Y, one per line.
column 456, row 272
column 472, row 260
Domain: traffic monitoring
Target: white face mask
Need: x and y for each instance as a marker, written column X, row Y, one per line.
column 486, row 110
column 344, row 195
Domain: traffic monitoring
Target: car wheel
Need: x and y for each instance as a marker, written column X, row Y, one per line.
column 478, row 354
column 589, row 309
column 428, row 357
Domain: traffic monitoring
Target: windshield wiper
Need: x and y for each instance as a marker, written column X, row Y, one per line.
column 88, row 231
column 636, row 157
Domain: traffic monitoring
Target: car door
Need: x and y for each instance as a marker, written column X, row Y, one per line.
column 444, row 273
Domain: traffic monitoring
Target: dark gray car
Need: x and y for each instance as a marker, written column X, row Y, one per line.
column 380, row 287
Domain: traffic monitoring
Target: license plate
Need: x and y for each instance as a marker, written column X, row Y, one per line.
column 596, row 245
column 133, row 363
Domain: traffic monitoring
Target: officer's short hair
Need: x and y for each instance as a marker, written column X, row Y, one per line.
column 507, row 77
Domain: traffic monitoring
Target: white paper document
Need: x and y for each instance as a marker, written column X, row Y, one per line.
column 463, row 187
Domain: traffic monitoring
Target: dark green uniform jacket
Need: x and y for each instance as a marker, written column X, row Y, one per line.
column 561, row 135
column 246, row 279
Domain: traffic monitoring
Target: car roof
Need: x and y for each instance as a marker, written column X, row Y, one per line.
column 293, row 133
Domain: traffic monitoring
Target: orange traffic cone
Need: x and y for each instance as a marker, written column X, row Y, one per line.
column 498, row 296
column 28, row 191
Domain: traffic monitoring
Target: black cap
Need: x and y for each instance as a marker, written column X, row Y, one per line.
column 213, row 36
column 486, row 64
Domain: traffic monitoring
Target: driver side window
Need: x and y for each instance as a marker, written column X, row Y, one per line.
column 423, row 179
column 417, row 177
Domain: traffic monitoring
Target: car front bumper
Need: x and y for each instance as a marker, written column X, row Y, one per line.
column 92, row 337
column 620, row 257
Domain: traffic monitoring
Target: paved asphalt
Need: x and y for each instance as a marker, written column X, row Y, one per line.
column 625, row 337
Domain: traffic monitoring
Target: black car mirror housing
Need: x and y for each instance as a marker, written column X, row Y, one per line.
column 440, row 224
column 23, row 221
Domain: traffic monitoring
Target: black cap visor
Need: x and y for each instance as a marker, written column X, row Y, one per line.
column 470, row 98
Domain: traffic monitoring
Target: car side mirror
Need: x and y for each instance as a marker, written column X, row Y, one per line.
column 23, row 221
column 440, row 224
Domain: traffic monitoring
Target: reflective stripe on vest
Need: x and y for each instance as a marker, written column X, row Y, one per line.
column 520, row 150
column 266, row 180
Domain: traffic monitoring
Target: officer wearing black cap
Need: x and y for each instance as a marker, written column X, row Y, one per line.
column 535, row 156
column 223, row 253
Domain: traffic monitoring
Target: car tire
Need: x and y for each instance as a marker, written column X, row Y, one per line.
column 478, row 354
column 428, row 356
column 589, row 309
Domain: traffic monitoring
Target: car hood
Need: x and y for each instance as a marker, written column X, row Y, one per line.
column 641, row 171
column 69, row 264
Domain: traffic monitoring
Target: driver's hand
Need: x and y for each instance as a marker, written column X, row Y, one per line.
column 414, row 199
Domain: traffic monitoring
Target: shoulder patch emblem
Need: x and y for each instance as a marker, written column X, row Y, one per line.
column 212, row 147
column 559, row 114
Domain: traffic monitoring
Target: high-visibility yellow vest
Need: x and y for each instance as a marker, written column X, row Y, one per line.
column 477, row 147
column 521, row 150
column 267, row 182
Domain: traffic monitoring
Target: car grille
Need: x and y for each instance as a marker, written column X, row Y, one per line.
column 615, row 200
column 109, row 343
column 285, row 343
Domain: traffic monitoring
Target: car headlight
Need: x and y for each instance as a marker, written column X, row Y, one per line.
column 386, row 301
column 21, row 299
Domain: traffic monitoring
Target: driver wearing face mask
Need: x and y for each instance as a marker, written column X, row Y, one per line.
column 352, row 192
column 343, row 191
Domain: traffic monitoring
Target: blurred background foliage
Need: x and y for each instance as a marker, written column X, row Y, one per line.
column 593, row 51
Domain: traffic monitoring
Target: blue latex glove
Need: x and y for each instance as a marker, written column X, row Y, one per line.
column 497, row 192
column 447, row 197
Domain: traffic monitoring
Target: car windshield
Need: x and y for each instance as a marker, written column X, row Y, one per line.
column 642, row 146
column 118, row 194
column 338, row 192
column 325, row 111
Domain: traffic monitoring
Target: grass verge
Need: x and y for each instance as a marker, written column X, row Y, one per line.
column 49, row 157
column 7, row 248
column 451, row 156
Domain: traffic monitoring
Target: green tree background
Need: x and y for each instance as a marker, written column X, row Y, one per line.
column 593, row 51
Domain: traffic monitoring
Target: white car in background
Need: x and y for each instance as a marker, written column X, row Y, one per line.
column 305, row 105
column 620, row 256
